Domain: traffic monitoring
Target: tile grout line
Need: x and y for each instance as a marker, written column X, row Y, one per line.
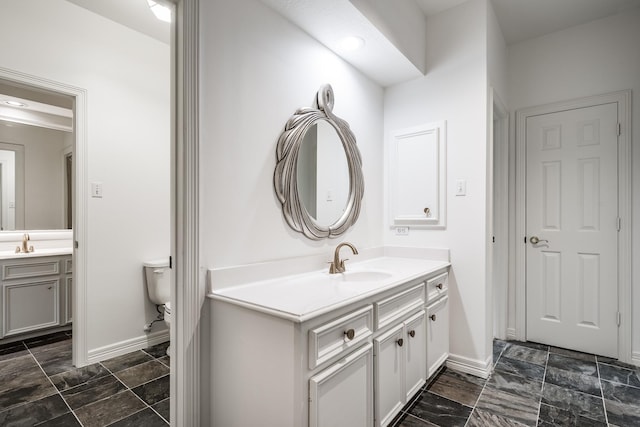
column 55, row 388
column 127, row 388
column 495, row 362
column 544, row 381
column 604, row 402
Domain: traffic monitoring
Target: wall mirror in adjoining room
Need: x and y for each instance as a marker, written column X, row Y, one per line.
column 318, row 177
column 36, row 151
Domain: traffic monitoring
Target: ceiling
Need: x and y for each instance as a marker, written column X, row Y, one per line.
column 40, row 107
column 329, row 20
column 134, row 14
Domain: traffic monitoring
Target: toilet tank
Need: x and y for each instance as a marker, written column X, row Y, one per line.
column 158, row 277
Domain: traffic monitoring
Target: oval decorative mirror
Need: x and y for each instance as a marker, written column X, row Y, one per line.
column 318, row 176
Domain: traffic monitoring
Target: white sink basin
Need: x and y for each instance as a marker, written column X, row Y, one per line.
column 364, row 276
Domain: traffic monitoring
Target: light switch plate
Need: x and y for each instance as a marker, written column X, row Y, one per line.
column 96, row 189
column 461, row 187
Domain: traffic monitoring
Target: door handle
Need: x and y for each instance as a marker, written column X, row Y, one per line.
column 534, row 240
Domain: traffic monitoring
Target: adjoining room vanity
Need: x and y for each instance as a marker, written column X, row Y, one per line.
column 36, row 282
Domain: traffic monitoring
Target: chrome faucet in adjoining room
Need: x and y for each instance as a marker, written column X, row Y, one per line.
column 337, row 266
column 25, row 248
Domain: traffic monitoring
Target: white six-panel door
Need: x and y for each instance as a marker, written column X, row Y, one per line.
column 572, row 209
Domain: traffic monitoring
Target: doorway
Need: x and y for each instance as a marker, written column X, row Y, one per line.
column 573, row 258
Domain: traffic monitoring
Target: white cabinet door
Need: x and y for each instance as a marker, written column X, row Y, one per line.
column 415, row 354
column 68, row 300
column 389, row 370
column 30, row 306
column 437, row 334
column 342, row 394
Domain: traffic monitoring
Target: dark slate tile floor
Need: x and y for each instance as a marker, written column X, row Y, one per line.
column 40, row 387
column 531, row 385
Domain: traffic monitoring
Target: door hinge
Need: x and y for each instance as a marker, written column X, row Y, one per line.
column 619, row 320
column 619, row 223
column 525, row 240
column 75, row 244
column 619, row 129
column 493, row 239
column 170, row 261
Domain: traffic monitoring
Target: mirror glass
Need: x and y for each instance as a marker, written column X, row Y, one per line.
column 36, row 144
column 323, row 174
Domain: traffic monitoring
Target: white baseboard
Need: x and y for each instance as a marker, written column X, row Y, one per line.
column 127, row 346
column 635, row 358
column 474, row 367
column 511, row 333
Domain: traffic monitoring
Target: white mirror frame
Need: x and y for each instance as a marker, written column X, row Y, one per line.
column 286, row 172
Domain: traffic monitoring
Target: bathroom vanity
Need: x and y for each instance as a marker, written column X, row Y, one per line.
column 320, row 349
column 36, row 291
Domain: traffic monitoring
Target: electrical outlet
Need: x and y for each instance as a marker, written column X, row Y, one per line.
column 402, row 231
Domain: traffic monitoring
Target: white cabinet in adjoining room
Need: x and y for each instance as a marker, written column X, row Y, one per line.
column 35, row 294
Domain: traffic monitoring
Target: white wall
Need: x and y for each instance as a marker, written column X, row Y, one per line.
column 455, row 89
column 43, row 174
column 589, row 59
column 126, row 75
column 257, row 69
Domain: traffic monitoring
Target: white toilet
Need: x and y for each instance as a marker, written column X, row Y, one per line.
column 158, row 277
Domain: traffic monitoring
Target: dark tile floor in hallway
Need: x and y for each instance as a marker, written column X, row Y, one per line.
column 40, row 387
column 531, row 385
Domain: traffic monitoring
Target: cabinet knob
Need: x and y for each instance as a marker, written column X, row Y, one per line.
column 412, row 333
column 350, row 334
column 427, row 212
column 400, row 342
column 433, row 317
column 50, row 287
column 439, row 286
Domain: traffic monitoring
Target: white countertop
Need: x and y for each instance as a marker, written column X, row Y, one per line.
column 301, row 297
column 36, row 253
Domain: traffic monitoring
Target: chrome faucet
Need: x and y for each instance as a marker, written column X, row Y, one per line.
column 25, row 248
column 337, row 266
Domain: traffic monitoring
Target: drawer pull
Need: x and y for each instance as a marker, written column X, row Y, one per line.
column 400, row 342
column 412, row 333
column 439, row 286
column 50, row 287
column 349, row 334
column 433, row 317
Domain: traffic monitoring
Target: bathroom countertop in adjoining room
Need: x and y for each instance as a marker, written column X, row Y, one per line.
column 304, row 296
column 36, row 253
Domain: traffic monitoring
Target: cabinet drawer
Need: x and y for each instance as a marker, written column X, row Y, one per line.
column 30, row 269
column 393, row 308
column 437, row 286
column 334, row 338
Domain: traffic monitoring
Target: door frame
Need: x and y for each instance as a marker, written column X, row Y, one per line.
column 499, row 138
column 79, row 150
column 188, row 284
column 623, row 99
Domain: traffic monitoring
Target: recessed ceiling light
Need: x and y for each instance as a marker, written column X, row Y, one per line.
column 161, row 11
column 15, row 103
column 351, row 43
